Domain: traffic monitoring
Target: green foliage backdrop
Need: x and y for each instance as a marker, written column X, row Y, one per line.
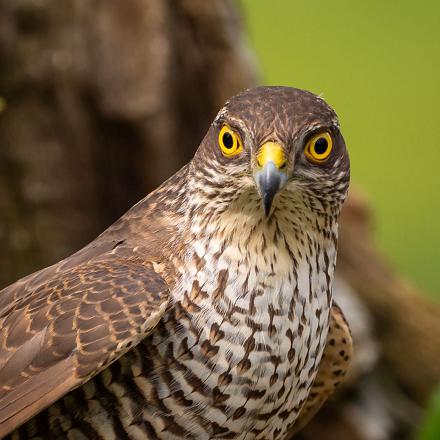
column 378, row 64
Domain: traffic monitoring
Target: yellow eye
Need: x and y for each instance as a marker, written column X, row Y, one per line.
column 229, row 141
column 319, row 147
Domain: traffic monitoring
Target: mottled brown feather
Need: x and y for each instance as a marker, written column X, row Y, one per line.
column 69, row 328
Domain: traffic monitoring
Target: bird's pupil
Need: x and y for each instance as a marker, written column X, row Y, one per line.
column 228, row 140
column 321, row 145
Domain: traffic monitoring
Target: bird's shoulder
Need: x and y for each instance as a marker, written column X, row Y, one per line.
column 62, row 325
column 145, row 232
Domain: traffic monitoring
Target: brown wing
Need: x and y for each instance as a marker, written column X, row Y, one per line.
column 334, row 365
column 61, row 334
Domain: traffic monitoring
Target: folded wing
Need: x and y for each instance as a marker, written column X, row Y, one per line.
column 58, row 336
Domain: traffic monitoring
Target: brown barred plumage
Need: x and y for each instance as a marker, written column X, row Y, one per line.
column 198, row 314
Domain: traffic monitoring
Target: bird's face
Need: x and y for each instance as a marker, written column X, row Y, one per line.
column 278, row 140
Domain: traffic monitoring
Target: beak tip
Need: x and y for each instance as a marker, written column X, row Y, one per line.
column 267, row 203
column 269, row 181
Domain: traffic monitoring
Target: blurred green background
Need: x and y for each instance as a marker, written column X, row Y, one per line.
column 378, row 64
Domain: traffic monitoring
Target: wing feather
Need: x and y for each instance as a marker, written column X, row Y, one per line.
column 56, row 337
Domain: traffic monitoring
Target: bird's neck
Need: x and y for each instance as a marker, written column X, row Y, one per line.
column 229, row 241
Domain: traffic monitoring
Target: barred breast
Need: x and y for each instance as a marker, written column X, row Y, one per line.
column 234, row 357
column 176, row 385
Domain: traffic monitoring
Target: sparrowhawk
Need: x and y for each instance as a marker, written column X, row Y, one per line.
column 206, row 310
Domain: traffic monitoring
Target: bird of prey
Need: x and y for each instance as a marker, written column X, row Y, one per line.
column 206, row 311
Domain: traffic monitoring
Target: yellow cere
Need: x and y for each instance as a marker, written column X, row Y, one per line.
column 319, row 147
column 271, row 152
column 229, row 141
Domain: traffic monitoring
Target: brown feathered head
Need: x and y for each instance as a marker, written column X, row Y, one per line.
column 270, row 141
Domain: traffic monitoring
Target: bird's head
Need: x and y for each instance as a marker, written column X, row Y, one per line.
column 275, row 143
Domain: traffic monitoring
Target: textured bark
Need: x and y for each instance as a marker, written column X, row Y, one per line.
column 100, row 101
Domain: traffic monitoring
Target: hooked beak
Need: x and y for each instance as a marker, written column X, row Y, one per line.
column 269, row 177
